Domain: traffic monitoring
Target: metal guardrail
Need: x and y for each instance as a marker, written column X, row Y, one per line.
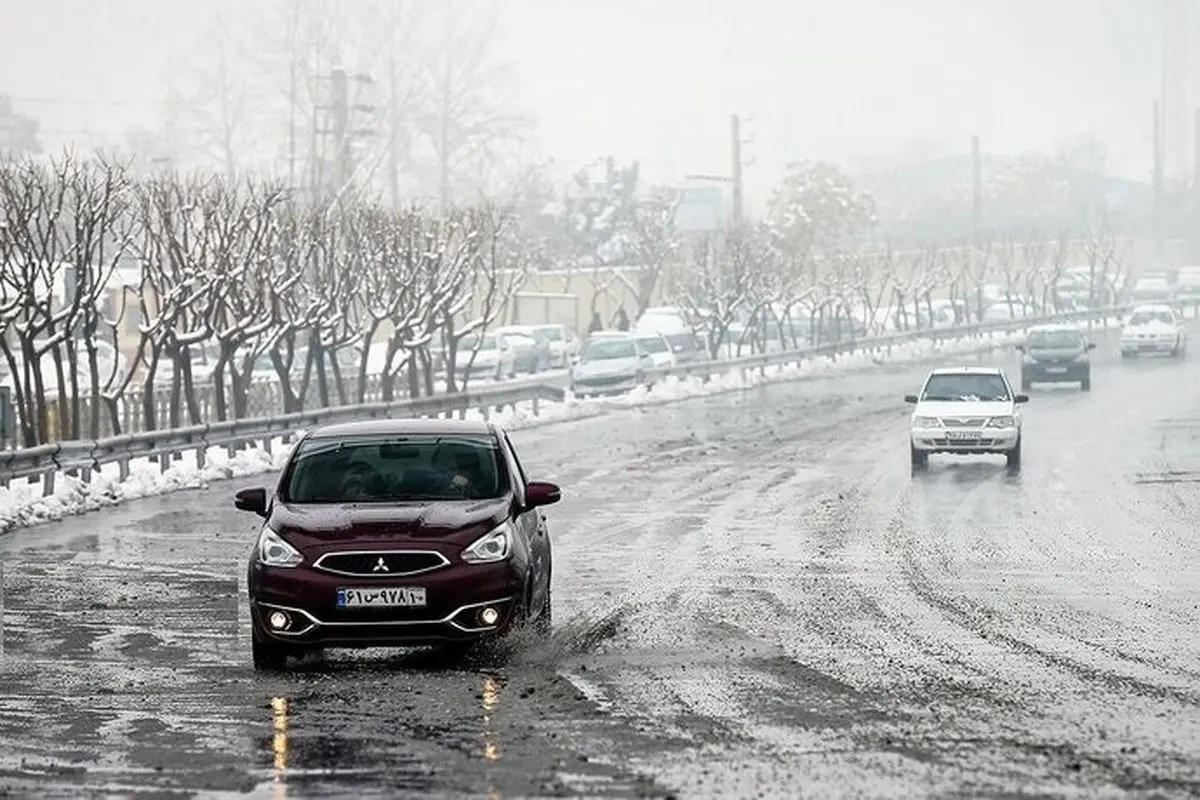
column 85, row 457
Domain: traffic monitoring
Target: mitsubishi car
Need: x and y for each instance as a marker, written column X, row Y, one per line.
column 1056, row 354
column 966, row 411
column 398, row 533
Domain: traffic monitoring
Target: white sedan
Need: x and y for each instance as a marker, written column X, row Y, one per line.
column 966, row 411
column 1154, row 329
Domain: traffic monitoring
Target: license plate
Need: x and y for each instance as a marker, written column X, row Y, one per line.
column 386, row 597
column 1056, row 370
column 962, row 436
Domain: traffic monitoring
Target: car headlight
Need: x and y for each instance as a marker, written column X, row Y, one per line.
column 273, row 551
column 926, row 422
column 493, row 546
column 1002, row 422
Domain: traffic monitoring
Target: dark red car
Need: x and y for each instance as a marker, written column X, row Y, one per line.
column 396, row 533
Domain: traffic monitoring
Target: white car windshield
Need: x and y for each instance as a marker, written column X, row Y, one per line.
column 966, row 387
column 653, row 344
column 1147, row 317
column 553, row 334
column 470, row 343
column 602, row 349
column 1054, row 340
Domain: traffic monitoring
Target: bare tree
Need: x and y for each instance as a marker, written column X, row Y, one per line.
column 654, row 242
column 467, row 92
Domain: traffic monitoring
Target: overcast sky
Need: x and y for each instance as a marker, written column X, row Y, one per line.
column 656, row 79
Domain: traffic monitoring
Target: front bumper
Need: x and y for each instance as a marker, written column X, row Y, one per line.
column 1052, row 372
column 981, row 440
column 1148, row 346
column 455, row 597
column 604, row 386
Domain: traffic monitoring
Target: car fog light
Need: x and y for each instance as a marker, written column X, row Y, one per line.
column 278, row 620
column 489, row 616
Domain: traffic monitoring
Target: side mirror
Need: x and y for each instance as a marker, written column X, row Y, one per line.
column 252, row 500
column 910, row 398
column 1021, row 398
column 1091, row 346
column 539, row 493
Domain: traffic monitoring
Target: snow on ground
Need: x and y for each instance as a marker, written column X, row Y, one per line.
column 22, row 504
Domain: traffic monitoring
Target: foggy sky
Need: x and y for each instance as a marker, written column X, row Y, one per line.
column 656, row 79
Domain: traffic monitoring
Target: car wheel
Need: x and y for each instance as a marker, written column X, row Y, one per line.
column 268, row 656
column 1086, row 383
column 1125, row 354
column 1013, row 457
column 544, row 623
column 920, row 460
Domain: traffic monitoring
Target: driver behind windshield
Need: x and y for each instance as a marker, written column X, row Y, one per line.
column 947, row 388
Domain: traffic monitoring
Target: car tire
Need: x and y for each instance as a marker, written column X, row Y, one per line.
column 1086, row 383
column 268, row 656
column 920, row 460
column 1013, row 457
column 1125, row 355
column 544, row 624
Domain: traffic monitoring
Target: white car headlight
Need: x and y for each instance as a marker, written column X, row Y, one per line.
column 1002, row 422
column 493, row 546
column 273, row 551
column 926, row 422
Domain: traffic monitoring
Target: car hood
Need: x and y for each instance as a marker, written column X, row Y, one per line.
column 1053, row 353
column 966, row 408
column 606, row 366
column 459, row 521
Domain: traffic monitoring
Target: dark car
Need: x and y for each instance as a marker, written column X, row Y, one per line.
column 1056, row 354
column 398, row 533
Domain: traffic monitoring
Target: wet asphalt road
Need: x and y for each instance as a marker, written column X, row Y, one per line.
column 754, row 596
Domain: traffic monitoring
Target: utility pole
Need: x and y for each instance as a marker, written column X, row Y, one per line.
column 735, row 135
column 1158, row 183
column 338, row 111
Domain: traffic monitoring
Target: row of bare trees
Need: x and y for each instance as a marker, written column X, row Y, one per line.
column 112, row 285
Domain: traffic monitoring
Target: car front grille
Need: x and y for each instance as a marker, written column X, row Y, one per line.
column 964, row 422
column 608, row 380
column 382, row 563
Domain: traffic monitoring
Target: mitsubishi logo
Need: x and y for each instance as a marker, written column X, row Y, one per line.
column 380, row 566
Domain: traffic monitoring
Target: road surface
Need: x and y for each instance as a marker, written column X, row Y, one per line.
column 754, row 596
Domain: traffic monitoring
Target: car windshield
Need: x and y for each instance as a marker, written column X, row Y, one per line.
column 684, row 340
column 1054, row 339
column 966, row 387
column 394, row 469
column 553, row 334
column 601, row 349
column 653, row 344
column 519, row 339
column 1147, row 317
column 470, row 343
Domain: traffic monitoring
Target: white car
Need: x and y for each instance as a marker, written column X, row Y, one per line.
column 493, row 357
column 1155, row 329
column 611, row 363
column 659, row 349
column 966, row 410
column 564, row 344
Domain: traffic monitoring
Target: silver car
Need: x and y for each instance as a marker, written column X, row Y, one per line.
column 610, row 363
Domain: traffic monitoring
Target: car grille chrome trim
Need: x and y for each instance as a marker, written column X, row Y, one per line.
column 370, row 560
column 318, row 623
column 964, row 422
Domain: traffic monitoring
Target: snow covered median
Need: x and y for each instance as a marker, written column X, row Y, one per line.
column 23, row 504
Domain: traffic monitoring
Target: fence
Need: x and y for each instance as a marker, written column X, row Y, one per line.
column 84, row 457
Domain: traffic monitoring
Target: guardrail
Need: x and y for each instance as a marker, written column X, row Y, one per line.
column 85, row 457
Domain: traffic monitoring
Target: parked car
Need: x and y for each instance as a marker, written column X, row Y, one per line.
column 398, row 532
column 564, row 344
column 658, row 348
column 611, row 363
column 488, row 354
column 531, row 349
column 1188, row 285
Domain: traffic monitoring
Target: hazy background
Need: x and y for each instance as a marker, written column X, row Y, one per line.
column 655, row 80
